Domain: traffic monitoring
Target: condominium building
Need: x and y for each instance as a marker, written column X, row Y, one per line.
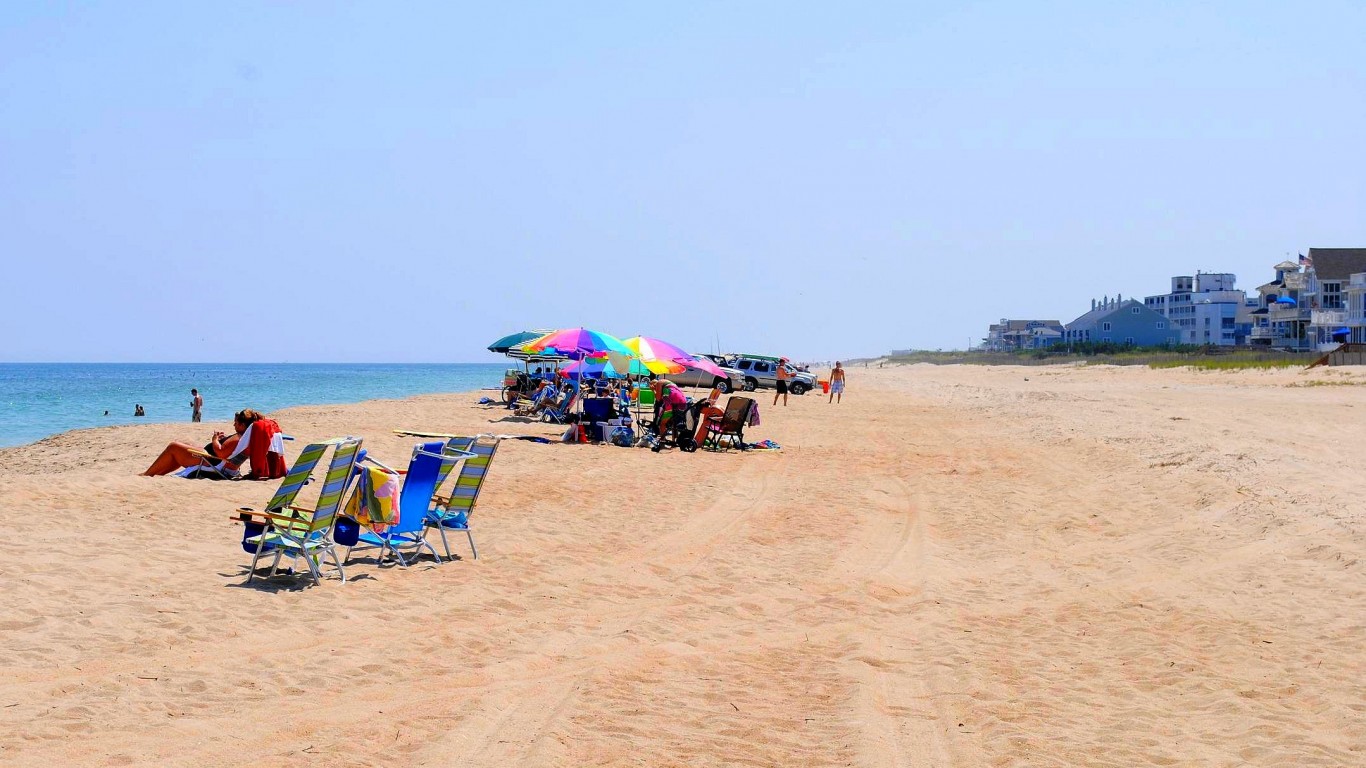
column 1205, row 309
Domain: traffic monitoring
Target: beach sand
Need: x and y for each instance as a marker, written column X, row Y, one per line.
column 957, row 566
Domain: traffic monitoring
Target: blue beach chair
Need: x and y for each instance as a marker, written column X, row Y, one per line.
column 415, row 500
column 560, row 412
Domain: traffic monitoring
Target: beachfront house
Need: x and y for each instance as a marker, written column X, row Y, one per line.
column 1205, row 309
column 1118, row 321
column 1278, row 320
column 1307, row 305
column 1355, row 299
column 1010, row 335
column 1328, row 288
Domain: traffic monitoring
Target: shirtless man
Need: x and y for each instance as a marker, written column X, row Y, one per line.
column 836, row 383
column 783, row 376
column 196, row 406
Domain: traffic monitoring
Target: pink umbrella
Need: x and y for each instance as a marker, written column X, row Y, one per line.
column 703, row 364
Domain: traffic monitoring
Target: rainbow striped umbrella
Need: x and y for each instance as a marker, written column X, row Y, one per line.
column 578, row 343
column 602, row 368
column 659, row 356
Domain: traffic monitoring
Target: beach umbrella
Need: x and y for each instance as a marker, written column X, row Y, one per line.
column 515, row 340
column 659, row 356
column 578, row 343
column 703, row 364
column 1286, row 300
column 602, row 368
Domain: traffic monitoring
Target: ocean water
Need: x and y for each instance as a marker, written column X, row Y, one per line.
column 42, row 399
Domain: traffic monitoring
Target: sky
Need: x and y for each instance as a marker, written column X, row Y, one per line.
column 406, row 182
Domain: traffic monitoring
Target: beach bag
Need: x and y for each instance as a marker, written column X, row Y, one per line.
column 623, row 436
column 346, row 531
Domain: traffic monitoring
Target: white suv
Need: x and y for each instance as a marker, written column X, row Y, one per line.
column 762, row 373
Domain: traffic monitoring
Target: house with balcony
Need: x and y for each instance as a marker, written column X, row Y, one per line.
column 1280, row 318
column 1354, row 297
column 1307, row 306
column 1010, row 335
column 1328, row 290
column 1118, row 321
column 1205, row 309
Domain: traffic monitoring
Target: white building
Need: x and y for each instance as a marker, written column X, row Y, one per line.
column 1206, row 309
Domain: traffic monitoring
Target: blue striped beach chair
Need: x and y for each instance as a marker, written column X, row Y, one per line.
column 295, row 530
column 452, row 511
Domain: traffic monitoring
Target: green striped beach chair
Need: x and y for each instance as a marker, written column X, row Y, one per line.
column 452, row 511
column 297, row 531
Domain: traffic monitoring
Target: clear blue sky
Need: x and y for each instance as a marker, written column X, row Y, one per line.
column 408, row 181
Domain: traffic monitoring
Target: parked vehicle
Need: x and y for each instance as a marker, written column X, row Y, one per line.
column 692, row 377
column 761, row 372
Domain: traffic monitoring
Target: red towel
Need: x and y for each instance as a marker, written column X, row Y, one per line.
column 265, row 463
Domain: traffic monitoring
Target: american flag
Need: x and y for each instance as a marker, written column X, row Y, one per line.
column 1307, row 261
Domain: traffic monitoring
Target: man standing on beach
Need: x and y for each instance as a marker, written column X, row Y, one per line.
column 196, row 405
column 783, row 376
column 836, row 383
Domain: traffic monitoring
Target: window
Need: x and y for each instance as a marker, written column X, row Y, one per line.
column 1129, row 340
column 1105, row 327
column 1133, row 310
column 1161, row 325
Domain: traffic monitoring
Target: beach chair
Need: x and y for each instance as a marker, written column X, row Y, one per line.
column 452, row 512
column 730, row 429
column 527, row 406
column 645, row 398
column 560, row 413
column 294, row 481
column 415, row 501
column 597, row 411
column 296, row 531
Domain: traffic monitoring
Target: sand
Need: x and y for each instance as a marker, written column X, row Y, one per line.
column 957, row 566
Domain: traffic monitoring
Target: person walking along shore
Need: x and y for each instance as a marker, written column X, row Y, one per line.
column 196, row 406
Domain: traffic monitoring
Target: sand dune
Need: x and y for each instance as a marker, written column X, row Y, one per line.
column 957, row 566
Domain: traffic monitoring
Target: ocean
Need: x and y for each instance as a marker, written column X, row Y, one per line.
column 42, row 399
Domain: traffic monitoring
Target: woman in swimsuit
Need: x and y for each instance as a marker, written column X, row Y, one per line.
column 181, row 455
